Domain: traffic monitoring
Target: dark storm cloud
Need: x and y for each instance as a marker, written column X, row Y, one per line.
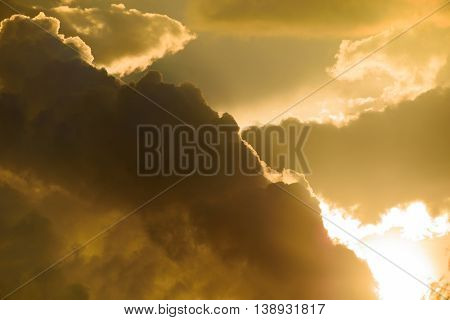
column 72, row 128
column 29, row 241
column 385, row 158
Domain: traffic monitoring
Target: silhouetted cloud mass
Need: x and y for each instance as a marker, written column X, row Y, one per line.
column 68, row 169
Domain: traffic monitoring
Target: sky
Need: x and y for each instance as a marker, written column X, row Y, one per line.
column 78, row 76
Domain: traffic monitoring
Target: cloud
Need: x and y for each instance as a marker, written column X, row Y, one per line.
column 396, row 73
column 384, row 159
column 124, row 40
column 15, row 25
column 277, row 71
column 373, row 73
column 70, row 129
column 305, row 18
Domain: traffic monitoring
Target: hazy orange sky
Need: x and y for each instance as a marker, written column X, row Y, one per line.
column 78, row 76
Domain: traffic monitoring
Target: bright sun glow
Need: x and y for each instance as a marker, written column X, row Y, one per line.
column 400, row 237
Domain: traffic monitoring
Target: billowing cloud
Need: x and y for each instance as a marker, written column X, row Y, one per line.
column 124, row 40
column 311, row 18
column 396, row 73
column 68, row 129
column 384, row 159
